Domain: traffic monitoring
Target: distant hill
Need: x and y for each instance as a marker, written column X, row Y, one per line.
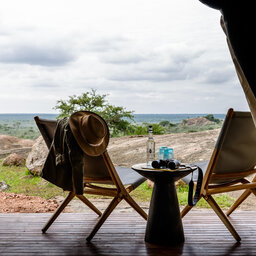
column 196, row 121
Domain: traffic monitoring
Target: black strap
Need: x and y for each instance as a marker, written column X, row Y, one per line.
column 192, row 201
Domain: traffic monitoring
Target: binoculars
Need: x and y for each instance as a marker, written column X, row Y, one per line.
column 168, row 163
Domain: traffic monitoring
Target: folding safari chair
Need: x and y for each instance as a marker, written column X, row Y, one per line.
column 232, row 161
column 123, row 181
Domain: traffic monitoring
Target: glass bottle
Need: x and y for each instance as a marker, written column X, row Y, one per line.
column 150, row 146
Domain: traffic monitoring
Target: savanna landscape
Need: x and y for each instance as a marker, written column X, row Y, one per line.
column 27, row 192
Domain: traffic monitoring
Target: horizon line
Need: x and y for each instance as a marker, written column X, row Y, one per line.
column 44, row 113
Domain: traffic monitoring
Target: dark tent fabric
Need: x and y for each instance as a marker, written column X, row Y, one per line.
column 240, row 23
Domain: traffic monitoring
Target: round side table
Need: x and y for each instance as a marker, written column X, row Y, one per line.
column 164, row 225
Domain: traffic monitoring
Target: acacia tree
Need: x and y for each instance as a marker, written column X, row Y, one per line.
column 116, row 117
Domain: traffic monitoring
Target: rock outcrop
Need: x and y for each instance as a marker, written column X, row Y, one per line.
column 10, row 142
column 14, row 160
column 37, row 156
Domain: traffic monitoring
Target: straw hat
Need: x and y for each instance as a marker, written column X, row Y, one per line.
column 90, row 131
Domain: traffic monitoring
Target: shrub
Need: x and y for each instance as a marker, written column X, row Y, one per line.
column 211, row 117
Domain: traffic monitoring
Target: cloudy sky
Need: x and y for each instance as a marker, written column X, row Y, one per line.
column 150, row 56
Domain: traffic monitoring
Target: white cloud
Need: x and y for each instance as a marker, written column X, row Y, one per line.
column 149, row 56
column 36, row 55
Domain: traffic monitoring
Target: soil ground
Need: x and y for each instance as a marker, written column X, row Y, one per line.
column 126, row 151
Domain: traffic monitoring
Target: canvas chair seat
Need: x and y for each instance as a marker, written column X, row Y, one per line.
column 233, row 160
column 129, row 177
column 203, row 165
column 98, row 170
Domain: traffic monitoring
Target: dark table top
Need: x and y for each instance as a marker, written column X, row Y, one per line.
column 164, row 176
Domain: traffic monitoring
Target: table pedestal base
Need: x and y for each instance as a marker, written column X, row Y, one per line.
column 164, row 225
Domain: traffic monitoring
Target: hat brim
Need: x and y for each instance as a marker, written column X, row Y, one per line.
column 75, row 126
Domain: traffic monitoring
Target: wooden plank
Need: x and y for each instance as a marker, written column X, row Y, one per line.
column 122, row 234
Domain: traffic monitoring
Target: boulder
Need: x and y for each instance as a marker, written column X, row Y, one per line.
column 3, row 186
column 37, row 156
column 14, row 160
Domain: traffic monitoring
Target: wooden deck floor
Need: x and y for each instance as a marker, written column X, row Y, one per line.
column 122, row 234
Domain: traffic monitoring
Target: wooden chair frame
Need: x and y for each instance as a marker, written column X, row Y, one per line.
column 118, row 192
column 208, row 190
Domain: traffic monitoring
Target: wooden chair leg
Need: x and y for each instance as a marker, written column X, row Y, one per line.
column 185, row 210
column 89, row 204
column 135, row 206
column 246, row 193
column 58, row 211
column 253, row 191
column 222, row 216
column 107, row 212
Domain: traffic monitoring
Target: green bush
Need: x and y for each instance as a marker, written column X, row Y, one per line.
column 211, row 117
column 143, row 129
column 166, row 124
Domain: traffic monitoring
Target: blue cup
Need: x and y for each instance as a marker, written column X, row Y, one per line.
column 171, row 153
column 165, row 153
column 161, row 153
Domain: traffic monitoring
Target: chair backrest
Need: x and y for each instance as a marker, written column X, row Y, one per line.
column 95, row 168
column 236, row 146
column 46, row 128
